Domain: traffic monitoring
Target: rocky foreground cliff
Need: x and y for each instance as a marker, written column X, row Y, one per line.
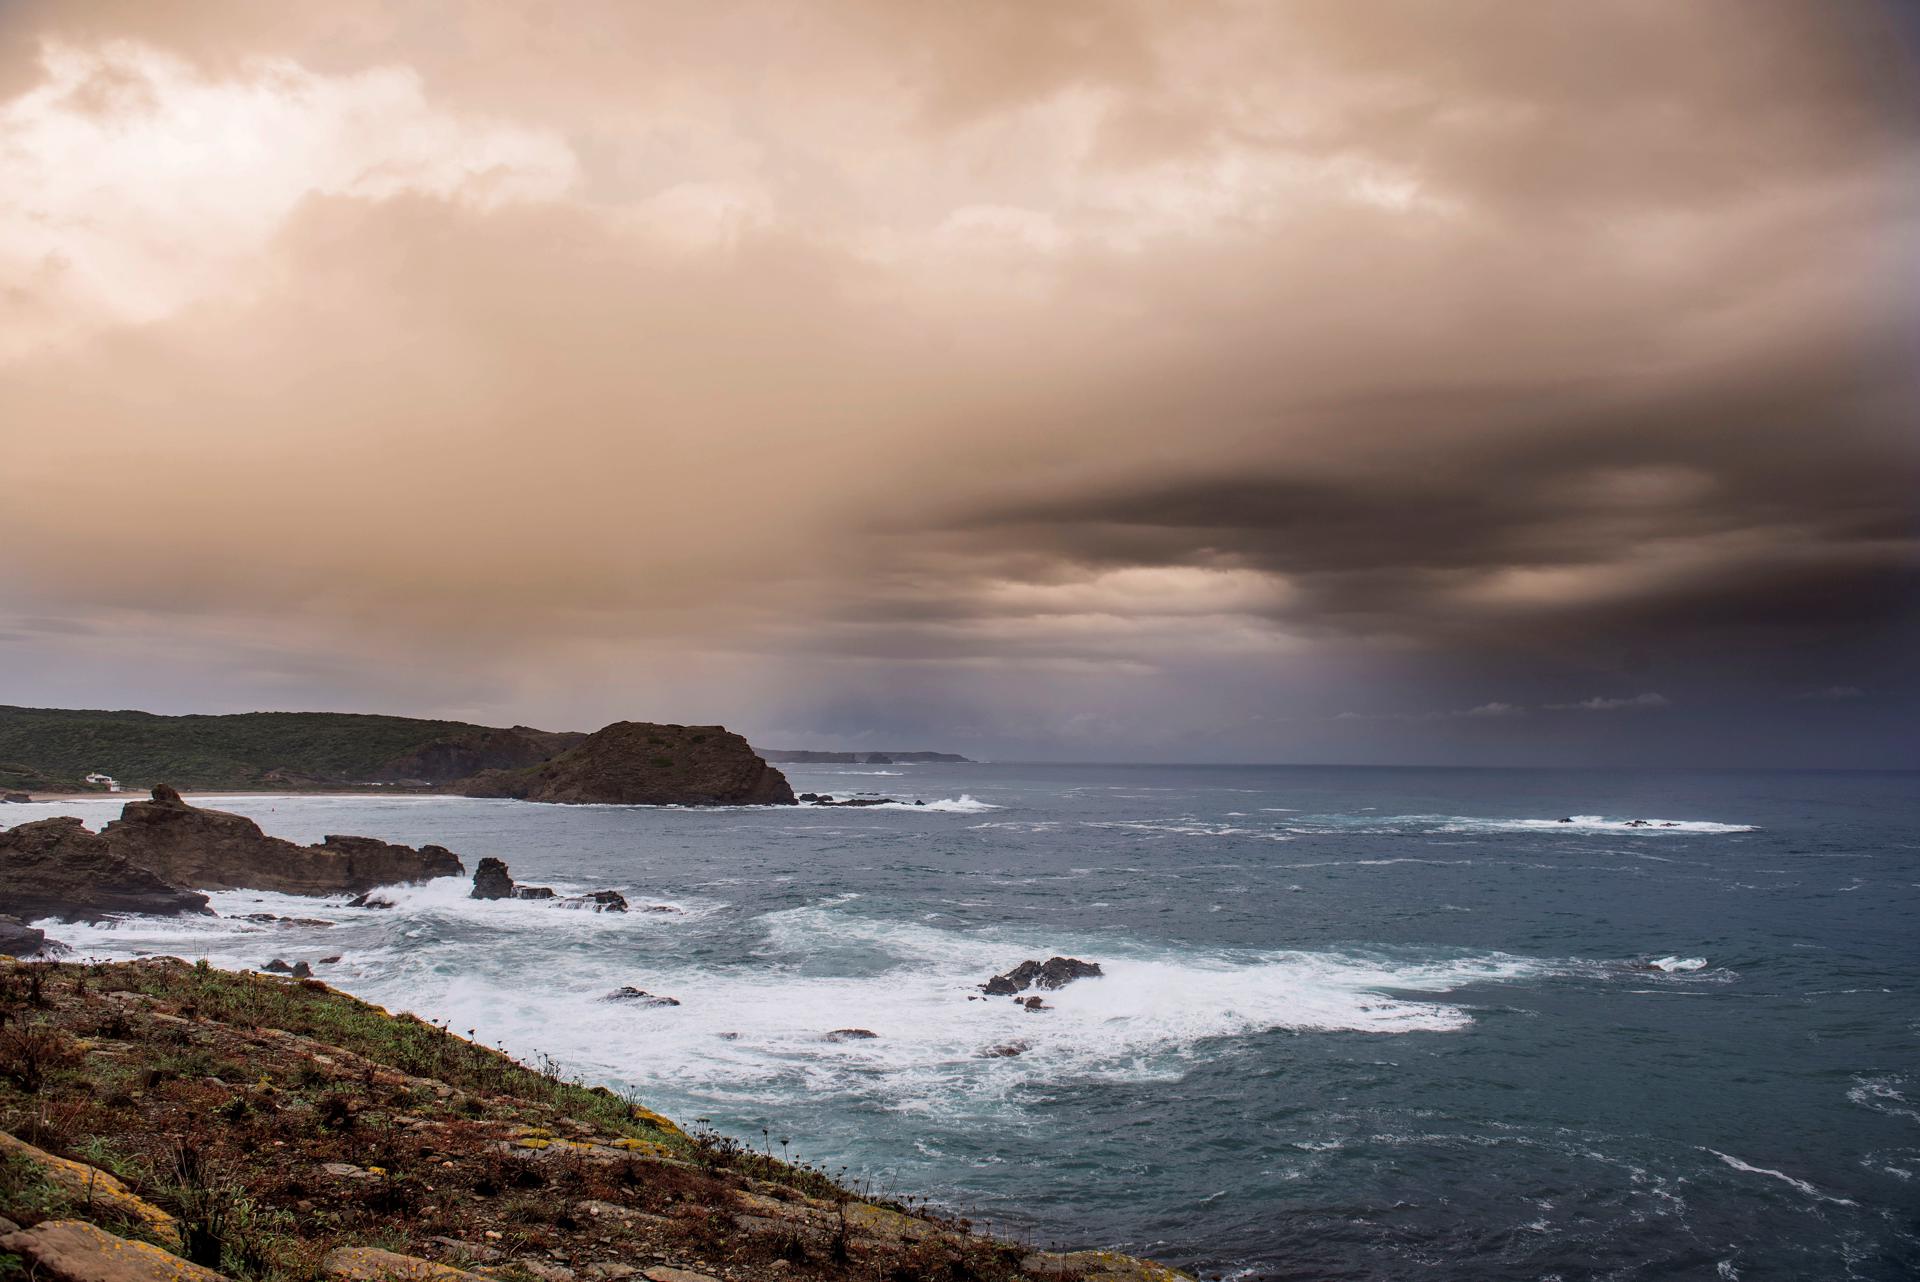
column 161, row 1122
column 641, row 763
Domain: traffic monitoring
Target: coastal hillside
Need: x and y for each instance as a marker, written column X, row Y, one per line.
column 55, row 749
column 166, row 1121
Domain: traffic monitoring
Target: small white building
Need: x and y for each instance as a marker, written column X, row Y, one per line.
column 113, row 785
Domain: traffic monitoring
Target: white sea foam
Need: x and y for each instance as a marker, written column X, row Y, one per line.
column 964, row 804
column 1593, row 823
column 1782, row 1176
column 752, row 1027
column 1672, row 964
column 1881, row 1094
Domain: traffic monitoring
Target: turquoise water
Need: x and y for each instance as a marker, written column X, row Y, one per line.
column 1356, row 1023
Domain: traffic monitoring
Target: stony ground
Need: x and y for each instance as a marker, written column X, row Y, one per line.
column 278, row 1130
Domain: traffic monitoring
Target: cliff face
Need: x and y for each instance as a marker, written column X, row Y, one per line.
column 638, row 763
column 213, row 850
column 57, row 868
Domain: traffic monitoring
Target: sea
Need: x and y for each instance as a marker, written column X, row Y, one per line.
column 1353, row 1022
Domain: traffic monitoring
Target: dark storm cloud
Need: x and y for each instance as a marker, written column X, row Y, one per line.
column 1130, row 370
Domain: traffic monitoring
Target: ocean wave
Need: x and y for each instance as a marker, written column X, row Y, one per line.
column 1594, row 823
column 1673, row 964
column 1782, row 1176
column 1882, row 1095
column 753, row 1021
column 964, row 804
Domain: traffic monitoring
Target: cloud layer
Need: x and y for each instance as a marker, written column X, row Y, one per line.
column 1123, row 379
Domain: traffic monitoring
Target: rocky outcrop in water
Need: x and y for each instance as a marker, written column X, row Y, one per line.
column 639, row 763
column 629, row 995
column 187, row 846
column 492, row 880
column 1055, row 972
column 58, row 868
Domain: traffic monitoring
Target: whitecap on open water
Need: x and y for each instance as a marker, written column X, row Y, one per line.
column 1354, row 1023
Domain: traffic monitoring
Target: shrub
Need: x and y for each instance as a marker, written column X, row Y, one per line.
column 28, row 1053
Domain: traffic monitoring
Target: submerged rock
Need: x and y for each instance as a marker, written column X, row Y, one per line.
column 1055, row 972
column 1006, row 1050
column 533, row 892
column 600, row 901
column 58, row 868
column 852, row 1035
column 630, row 995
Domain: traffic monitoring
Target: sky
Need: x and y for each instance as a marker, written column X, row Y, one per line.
column 1468, row 383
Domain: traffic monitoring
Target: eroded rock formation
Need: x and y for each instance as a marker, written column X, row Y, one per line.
column 58, row 868
column 639, row 763
column 213, row 850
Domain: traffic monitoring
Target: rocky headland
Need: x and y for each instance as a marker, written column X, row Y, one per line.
column 640, row 763
column 161, row 1122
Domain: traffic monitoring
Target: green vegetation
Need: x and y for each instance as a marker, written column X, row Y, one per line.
column 54, row 749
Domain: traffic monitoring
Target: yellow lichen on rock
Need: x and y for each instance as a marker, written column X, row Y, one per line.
column 75, row 1251
column 104, row 1193
column 371, row 1264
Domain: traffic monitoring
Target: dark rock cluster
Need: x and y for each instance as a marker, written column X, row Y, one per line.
column 492, row 880
column 1055, row 972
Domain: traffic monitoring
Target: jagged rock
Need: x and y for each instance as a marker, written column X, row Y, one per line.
column 1033, row 1004
column 491, row 880
column 1006, row 1050
column 17, row 798
column 103, row 1192
column 277, row 967
column 533, row 892
column 640, row 763
column 371, row 1264
column 852, row 1035
column 638, row 997
column 214, row 850
column 75, row 1251
column 57, row 868
column 302, row 970
column 810, row 797
column 370, row 901
column 328, row 961
column 1055, row 972
column 272, row 918
column 17, row 939
column 600, row 901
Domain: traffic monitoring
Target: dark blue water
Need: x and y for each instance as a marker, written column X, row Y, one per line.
column 1356, row 1023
